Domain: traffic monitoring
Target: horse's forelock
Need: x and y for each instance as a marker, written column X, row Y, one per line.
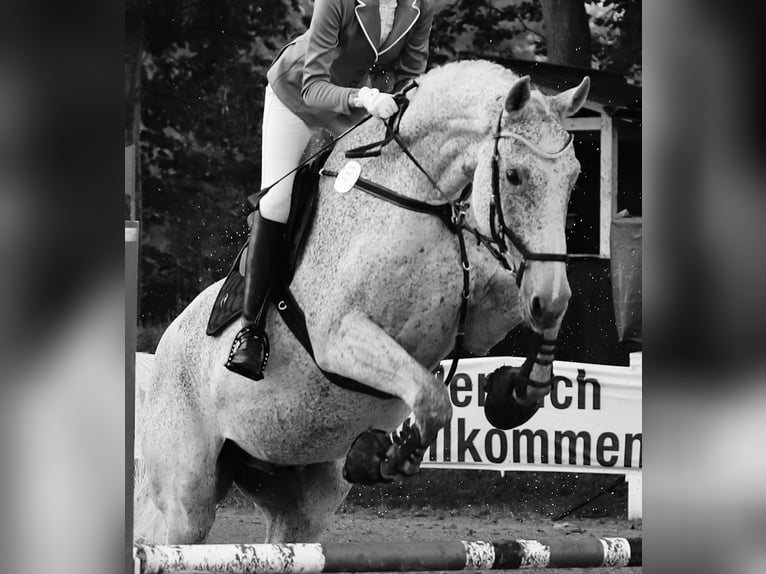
column 537, row 109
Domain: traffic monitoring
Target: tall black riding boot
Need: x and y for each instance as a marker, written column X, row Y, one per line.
column 250, row 352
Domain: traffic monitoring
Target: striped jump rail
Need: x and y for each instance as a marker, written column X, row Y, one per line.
column 387, row 557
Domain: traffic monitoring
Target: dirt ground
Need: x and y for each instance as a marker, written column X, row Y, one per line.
column 241, row 524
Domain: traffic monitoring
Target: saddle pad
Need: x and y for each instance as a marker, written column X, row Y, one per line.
column 228, row 303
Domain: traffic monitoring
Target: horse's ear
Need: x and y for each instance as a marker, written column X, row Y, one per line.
column 568, row 103
column 518, row 96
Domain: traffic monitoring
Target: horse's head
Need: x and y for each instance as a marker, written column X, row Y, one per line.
column 522, row 182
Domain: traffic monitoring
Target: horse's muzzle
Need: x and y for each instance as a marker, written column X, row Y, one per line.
column 547, row 296
column 546, row 315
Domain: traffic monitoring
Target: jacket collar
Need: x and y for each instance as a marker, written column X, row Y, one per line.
column 407, row 13
column 368, row 14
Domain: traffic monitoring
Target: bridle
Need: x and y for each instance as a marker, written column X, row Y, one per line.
column 500, row 231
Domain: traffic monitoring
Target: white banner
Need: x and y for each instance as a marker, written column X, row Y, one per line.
column 590, row 422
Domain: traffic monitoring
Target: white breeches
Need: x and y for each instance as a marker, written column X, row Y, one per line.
column 285, row 136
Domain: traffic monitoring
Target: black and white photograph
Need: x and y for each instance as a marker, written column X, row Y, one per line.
column 387, row 262
column 382, row 286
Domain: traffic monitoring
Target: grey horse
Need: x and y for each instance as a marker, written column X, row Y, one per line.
column 381, row 290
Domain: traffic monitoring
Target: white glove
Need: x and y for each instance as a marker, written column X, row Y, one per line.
column 379, row 104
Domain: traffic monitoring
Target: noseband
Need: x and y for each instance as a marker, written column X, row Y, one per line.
column 500, row 231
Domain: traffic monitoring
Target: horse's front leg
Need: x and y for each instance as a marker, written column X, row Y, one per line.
column 541, row 355
column 514, row 394
column 357, row 348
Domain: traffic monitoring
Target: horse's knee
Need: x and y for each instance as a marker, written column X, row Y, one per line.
column 326, row 346
column 344, row 340
column 327, row 357
column 186, row 497
column 294, row 528
column 189, row 524
column 323, row 359
column 299, row 510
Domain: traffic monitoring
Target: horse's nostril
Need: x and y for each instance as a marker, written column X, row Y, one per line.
column 537, row 307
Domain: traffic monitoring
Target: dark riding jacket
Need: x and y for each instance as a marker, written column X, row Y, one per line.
column 315, row 74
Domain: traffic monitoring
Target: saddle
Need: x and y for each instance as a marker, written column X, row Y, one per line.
column 228, row 303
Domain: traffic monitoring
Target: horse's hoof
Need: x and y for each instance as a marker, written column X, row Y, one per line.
column 377, row 457
column 500, row 406
column 364, row 459
column 503, row 412
column 405, row 454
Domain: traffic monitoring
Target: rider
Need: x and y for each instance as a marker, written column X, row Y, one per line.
column 322, row 79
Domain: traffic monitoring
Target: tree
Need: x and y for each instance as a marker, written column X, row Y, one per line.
column 566, row 32
column 204, row 64
column 616, row 33
column 472, row 28
column 603, row 34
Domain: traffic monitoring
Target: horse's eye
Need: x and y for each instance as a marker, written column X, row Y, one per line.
column 513, row 176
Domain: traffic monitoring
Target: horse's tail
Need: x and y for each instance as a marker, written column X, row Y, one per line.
column 148, row 522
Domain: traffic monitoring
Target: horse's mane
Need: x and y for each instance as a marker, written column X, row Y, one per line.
column 450, row 90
